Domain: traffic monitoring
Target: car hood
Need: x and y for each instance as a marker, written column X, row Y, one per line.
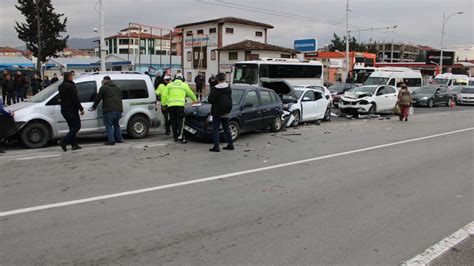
column 356, row 95
column 200, row 109
column 19, row 106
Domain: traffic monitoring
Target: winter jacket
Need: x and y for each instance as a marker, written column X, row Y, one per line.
column 175, row 94
column 404, row 98
column 7, row 86
column 221, row 99
column 19, row 82
column 68, row 97
column 199, row 80
column 112, row 96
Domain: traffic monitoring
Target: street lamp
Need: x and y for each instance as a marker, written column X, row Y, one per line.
column 445, row 19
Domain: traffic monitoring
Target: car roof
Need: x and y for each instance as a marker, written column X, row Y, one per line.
column 247, row 87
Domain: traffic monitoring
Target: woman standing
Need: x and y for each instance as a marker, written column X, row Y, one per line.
column 404, row 102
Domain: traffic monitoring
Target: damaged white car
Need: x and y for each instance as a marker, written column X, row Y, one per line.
column 369, row 99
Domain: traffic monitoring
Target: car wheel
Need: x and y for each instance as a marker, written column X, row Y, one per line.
column 138, row 127
column 430, row 103
column 297, row 120
column 448, row 103
column 327, row 114
column 35, row 135
column 234, row 129
column 373, row 109
column 277, row 124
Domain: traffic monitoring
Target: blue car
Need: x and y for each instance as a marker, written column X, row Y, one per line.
column 254, row 108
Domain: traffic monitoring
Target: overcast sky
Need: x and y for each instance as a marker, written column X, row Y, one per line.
column 419, row 21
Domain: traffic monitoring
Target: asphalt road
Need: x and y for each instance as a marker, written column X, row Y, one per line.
column 374, row 206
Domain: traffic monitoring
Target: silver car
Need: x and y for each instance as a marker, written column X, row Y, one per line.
column 41, row 120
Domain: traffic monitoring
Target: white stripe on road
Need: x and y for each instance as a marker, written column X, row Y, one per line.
column 217, row 177
column 37, row 157
column 441, row 247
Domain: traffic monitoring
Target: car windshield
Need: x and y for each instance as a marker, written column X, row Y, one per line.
column 469, row 90
column 439, row 81
column 337, row 87
column 236, row 97
column 46, row 93
column 364, row 89
column 246, row 73
column 376, row 81
column 426, row 90
column 298, row 93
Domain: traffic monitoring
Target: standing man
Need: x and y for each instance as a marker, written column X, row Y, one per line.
column 221, row 99
column 164, row 107
column 8, row 89
column 54, row 78
column 212, row 82
column 199, row 80
column 112, row 107
column 158, row 80
column 4, row 92
column 174, row 95
column 70, row 109
column 19, row 84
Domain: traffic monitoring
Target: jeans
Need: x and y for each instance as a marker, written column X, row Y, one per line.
column 177, row 119
column 216, row 122
column 73, row 121
column 112, row 126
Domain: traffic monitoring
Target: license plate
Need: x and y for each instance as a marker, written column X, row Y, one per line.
column 190, row 130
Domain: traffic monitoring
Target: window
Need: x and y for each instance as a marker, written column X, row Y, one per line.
column 266, row 97
column 251, row 98
column 123, row 51
column 229, row 30
column 412, row 82
column 133, row 89
column 123, row 41
column 200, row 32
column 389, row 90
column 443, row 90
column 236, row 96
column 188, row 56
column 310, row 95
column 290, row 71
column 86, row 91
column 254, row 57
column 391, row 82
column 285, row 56
column 258, row 34
column 213, row 55
column 318, row 95
column 189, row 76
column 212, row 30
column 189, row 33
column 233, row 56
column 381, row 91
column 274, row 98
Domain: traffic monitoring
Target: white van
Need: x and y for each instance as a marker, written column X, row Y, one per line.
column 41, row 119
column 395, row 76
column 450, row 80
column 471, row 81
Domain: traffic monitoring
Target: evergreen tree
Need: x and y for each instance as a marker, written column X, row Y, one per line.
column 340, row 44
column 51, row 26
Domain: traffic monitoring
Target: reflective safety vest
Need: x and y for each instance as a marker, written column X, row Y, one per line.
column 159, row 92
column 175, row 93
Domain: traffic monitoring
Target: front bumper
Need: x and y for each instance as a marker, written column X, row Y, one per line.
column 420, row 101
column 354, row 106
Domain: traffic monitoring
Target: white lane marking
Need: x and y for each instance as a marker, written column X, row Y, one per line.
column 149, row 145
column 37, row 157
column 441, row 247
column 217, row 177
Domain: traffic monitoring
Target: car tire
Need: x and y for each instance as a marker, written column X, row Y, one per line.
column 430, row 103
column 373, row 109
column 138, row 127
column 327, row 114
column 234, row 128
column 277, row 124
column 448, row 103
column 297, row 120
column 35, row 135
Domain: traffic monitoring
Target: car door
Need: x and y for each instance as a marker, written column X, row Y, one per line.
column 87, row 92
column 308, row 106
column 381, row 99
column 268, row 106
column 251, row 114
column 391, row 97
column 442, row 95
column 320, row 105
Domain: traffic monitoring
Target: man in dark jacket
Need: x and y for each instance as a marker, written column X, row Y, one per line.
column 54, row 79
column 70, row 109
column 221, row 100
column 199, row 80
column 19, row 84
column 112, row 108
column 8, row 89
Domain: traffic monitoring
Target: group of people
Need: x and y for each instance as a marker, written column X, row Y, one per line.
column 15, row 88
column 172, row 96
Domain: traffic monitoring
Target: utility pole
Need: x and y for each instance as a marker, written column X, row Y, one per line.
column 102, row 37
column 40, row 43
column 442, row 39
column 347, row 41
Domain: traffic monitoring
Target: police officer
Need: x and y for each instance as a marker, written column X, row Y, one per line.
column 164, row 107
column 174, row 96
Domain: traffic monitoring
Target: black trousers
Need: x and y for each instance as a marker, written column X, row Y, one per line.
column 166, row 117
column 73, row 121
column 176, row 118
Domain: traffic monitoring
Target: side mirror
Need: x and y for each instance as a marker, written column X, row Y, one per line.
column 327, row 97
column 306, row 99
column 379, row 93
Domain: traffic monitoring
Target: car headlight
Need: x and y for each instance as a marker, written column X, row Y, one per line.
column 424, row 98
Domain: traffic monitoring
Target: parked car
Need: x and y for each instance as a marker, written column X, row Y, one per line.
column 466, row 95
column 369, row 99
column 254, row 108
column 42, row 119
column 431, row 95
column 322, row 89
column 338, row 90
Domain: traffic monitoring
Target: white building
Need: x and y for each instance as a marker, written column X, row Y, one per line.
column 136, row 40
column 201, row 41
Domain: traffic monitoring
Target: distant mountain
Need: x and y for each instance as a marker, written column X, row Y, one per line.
column 80, row 43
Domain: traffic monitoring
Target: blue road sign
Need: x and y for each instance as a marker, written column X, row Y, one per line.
column 306, row 45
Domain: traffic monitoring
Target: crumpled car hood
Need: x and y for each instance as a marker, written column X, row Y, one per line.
column 354, row 97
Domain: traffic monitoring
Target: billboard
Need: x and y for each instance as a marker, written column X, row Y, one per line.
column 306, row 45
column 200, row 40
column 434, row 56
